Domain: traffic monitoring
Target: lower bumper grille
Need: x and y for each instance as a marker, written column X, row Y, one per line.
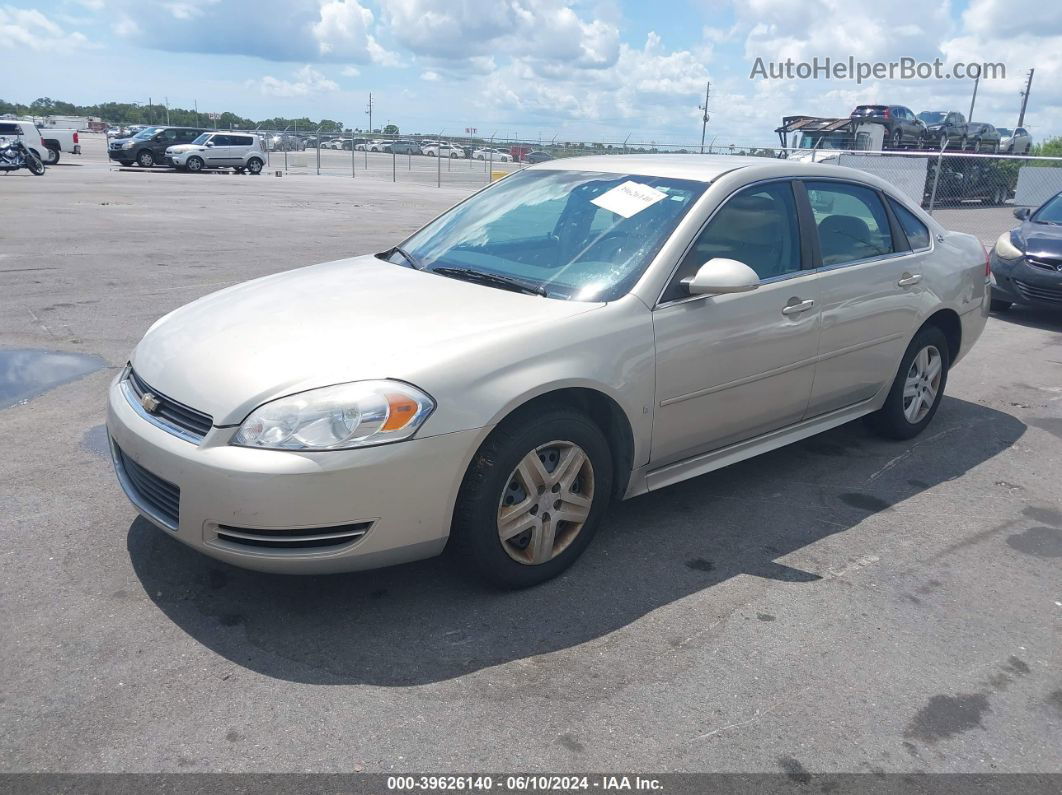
column 153, row 495
column 1038, row 292
column 306, row 538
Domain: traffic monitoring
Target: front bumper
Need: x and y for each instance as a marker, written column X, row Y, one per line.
column 403, row 493
column 1021, row 283
column 122, row 155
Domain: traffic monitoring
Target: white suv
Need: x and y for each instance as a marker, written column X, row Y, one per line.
column 238, row 151
column 30, row 135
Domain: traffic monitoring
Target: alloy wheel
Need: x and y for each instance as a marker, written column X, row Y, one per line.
column 922, row 384
column 545, row 503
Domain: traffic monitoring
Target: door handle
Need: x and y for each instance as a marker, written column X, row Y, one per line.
column 797, row 308
column 908, row 279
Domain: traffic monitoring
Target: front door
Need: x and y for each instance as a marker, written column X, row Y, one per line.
column 730, row 367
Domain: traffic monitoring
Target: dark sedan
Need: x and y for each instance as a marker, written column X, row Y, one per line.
column 537, row 157
column 1027, row 260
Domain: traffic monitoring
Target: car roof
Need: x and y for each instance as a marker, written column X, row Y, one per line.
column 703, row 168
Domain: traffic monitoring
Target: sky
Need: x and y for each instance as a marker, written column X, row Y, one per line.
column 600, row 70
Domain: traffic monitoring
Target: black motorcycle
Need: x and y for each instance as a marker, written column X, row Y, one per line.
column 14, row 155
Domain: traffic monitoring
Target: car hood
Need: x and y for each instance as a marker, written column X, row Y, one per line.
column 349, row 320
column 181, row 148
column 1040, row 239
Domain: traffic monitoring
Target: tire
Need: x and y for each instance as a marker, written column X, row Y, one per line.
column 254, row 165
column 194, row 164
column 52, row 158
column 999, row 305
column 145, row 159
column 493, row 483
column 904, row 417
column 34, row 163
column 431, row 154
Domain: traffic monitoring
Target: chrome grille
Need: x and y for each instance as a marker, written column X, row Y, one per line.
column 157, row 497
column 192, row 422
column 1045, row 263
column 305, row 538
column 1039, row 292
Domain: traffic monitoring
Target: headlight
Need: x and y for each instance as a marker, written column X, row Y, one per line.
column 1005, row 248
column 337, row 417
column 129, row 145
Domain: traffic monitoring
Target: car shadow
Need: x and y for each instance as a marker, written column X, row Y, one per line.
column 1032, row 317
column 425, row 622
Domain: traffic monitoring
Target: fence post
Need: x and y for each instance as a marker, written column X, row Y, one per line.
column 353, row 173
column 936, row 176
column 394, row 162
column 317, row 137
column 438, row 163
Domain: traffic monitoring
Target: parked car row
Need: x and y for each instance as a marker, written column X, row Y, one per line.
column 936, row 129
column 190, row 149
column 46, row 144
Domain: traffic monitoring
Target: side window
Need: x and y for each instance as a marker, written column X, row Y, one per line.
column 757, row 226
column 916, row 231
column 851, row 221
column 169, row 136
column 222, row 140
column 241, row 140
column 187, row 136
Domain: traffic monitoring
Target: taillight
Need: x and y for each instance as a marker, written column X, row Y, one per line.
column 988, row 262
column 75, row 137
column 885, row 114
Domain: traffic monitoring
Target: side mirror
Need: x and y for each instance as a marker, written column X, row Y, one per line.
column 209, row 143
column 1022, row 213
column 720, row 275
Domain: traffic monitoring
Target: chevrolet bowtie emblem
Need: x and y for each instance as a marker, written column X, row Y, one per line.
column 149, row 402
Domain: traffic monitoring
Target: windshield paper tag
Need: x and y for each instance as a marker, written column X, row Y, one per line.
column 628, row 198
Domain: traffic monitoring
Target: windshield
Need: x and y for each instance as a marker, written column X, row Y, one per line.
column 930, row 117
column 1005, row 131
column 202, row 139
column 835, row 140
column 147, row 132
column 578, row 235
column 1050, row 213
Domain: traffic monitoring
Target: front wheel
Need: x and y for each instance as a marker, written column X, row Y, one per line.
column 918, row 388
column 34, row 163
column 532, row 497
column 145, row 159
column 194, row 164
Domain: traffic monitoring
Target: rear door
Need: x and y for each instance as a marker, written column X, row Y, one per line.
column 870, row 290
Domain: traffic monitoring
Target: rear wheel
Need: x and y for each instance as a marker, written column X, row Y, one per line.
column 918, row 388
column 52, row 157
column 254, row 165
column 532, row 497
column 145, row 159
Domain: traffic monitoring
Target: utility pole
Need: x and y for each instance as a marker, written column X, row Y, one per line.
column 369, row 111
column 973, row 99
column 167, row 101
column 704, row 117
column 151, row 113
column 1025, row 98
column 195, row 104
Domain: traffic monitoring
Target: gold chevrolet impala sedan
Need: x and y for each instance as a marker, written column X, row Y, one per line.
column 581, row 331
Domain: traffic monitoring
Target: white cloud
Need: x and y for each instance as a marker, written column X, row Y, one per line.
column 28, row 27
column 125, row 27
column 547, row 30
column 350, row 71
column 307, row 81
column 430, row 75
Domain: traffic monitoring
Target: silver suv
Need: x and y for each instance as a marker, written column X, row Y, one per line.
column 238, row 151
